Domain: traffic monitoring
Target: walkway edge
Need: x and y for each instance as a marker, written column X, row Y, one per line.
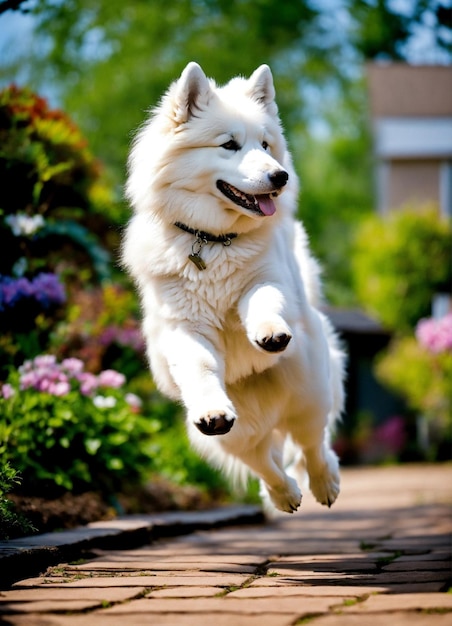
column 29, row 556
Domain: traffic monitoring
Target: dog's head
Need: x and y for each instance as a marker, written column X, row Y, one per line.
column 213, row 157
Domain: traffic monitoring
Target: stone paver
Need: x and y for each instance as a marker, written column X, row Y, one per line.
column 381, row 555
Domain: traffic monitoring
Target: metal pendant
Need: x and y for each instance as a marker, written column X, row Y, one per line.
column 195, row 250
column 196, row 259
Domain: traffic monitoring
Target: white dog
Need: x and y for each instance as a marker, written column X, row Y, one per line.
column 229, row 292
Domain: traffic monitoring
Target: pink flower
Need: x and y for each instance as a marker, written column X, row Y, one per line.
column 391, row 434
column 133, row 401
column 72, row 366
column 45, row 360
column 435, row 335
column 88, row 383
column 111, row 378
column 29, row 379
column 7, row 391
column 127, row 337
column 59, row 389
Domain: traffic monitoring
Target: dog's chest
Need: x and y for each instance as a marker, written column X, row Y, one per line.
column 204, row 301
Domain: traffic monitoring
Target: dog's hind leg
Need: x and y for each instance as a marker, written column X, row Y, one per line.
column 322, row 466
column 266, row 462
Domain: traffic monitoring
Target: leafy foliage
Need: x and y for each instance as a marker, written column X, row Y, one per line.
column 11, row 524
column 336, row 190
column 399, row 262
column 65, row 428
column 50, row 197
column 420, row 369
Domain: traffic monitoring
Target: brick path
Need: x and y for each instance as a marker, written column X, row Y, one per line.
column 380, row 556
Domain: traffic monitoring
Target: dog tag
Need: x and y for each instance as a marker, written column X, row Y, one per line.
column 196, row 259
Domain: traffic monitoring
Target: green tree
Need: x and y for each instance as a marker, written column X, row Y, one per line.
column 112, row 61
column 336, row 188
column 109, row 62
column 399, row 262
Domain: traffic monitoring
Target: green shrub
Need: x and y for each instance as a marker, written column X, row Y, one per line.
column 54, row 213
column 11, row 524
column 64, row 428
column 399, row 262
column 419, row 368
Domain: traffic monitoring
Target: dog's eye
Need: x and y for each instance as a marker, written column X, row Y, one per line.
column 265, row 145
column 231, row 145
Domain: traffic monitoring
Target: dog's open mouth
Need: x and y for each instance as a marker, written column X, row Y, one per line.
column 262, row 204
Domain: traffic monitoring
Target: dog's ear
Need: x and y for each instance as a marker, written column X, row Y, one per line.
column 261, row 88
column 192, row 92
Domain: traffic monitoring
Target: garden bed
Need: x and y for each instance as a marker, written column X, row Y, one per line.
column 70, row 510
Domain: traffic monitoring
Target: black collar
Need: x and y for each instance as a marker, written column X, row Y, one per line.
column 204, row 236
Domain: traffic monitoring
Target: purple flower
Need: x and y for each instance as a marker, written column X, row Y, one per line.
column 7, row 391
column 72, row 366
column 44, row 361
column 126, row 337
column 435, row 335
column 13, row 290
column 44, row 374
column 48, row 290
column 45, row 288
column 88, row 383
column 111, row 378
column 60, row 388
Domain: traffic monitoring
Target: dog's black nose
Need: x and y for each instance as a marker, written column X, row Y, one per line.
column 216, row 425
column 279, row 178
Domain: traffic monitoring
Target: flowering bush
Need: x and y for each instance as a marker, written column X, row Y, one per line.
column 419, row 367
column 435, row 335
column 50, row 185
column 103, row 330
column 52, row 228
column 66, row 427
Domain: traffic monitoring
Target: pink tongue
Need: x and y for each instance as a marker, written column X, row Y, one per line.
column 266, row 205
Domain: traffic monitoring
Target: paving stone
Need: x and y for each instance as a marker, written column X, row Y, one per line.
column 141, row 619
column 413, row 576
column 299, row 591
column 402, row 602
column 309, row 566
column 186, row 592
column 339, row 565
column 49, row 606
column 429, row 566
column 116, row 580
column 63, row 594
column 415, row 587
column 400, row 618
column 260, row 606
column 160, row 566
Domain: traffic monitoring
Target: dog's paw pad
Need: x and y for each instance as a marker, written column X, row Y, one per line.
column 276, row 342
column 215, row 424
column 325, row 488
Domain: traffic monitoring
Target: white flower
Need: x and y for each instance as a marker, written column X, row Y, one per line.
column 104, row 402
column 22, row 224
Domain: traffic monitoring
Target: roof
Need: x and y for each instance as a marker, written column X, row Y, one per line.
column 354, row 321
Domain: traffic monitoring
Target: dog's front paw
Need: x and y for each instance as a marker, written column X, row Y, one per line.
column 273, row 338
column 215, row 423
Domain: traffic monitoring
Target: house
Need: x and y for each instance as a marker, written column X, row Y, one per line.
column 411, row 110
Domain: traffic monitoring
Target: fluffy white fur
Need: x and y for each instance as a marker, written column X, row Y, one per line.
column 216, row 337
